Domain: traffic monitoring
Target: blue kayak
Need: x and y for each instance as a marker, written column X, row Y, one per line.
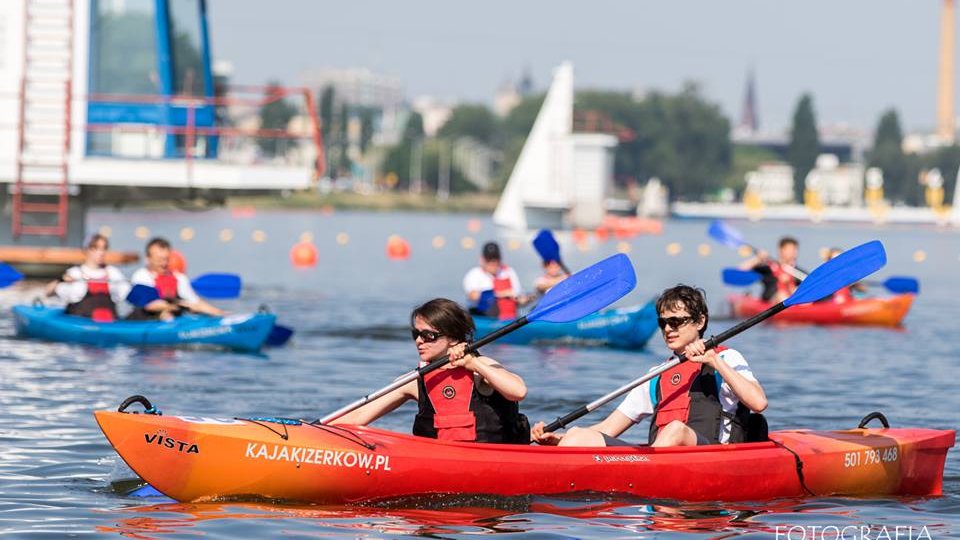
column 621, row 328
column 243, row 332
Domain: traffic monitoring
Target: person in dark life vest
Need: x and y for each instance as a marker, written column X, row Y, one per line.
column 473, row 398
column 553, row 273
column 493, row 288
column 176, row 293
column 92, row 289
column 780, row 277
column 705, row 400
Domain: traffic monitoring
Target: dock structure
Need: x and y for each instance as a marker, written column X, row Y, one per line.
column 106, row 102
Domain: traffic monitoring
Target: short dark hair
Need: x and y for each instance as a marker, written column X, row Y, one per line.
column 97, row 238
column 491, row 251
column 789, row 240
column 158, row 241
column 447, row 317
column 692, row 299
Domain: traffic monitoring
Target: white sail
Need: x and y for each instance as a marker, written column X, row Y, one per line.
column 541, row 175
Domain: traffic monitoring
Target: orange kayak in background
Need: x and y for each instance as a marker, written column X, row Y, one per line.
column 205, row 459
column 886, row 311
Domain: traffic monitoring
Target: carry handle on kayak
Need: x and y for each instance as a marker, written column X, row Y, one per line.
column 579, row 295
column 847, row 268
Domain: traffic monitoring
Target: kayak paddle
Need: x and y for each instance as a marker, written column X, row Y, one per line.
column 8, row 275
column 548, row 248
column 217, row 285
column 845, row 269
column 579, row 295
column 279, row 335
column 140, row 295
column 895, row 284
column 731, row 237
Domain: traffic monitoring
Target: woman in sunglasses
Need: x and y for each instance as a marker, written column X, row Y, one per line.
column 706, row 400
column 473, row 398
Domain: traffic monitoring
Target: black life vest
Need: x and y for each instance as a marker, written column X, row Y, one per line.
column 690, row 393
column 96, row 304
column 463, row 413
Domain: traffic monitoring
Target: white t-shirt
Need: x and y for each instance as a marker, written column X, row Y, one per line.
column 72, row 292
column 184, row 289
column 639, row 403
column 477, row 280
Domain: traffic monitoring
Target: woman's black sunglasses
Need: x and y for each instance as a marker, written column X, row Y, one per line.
column 428, row 336
column 674, row 322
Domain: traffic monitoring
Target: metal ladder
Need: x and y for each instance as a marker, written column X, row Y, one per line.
column 41, row 192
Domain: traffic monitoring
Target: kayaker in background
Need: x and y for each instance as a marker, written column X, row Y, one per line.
column 705, row 400
column 553, row 273
column 493, row 288
column 92, row 289
column 780, row 278
column 844, row 294
column 174, row 289
column 473, row 398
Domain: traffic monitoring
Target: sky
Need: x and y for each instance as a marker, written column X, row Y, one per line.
column 858, row 58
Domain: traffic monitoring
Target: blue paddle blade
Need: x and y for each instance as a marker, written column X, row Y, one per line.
column 140, row 295
column 9, row 275
column 740, row 278
column 845, row 269
column 902, row 285
column 145, row 491
column 486, row 301
column 279, row 335
column 725, row 234
column 547, row 246
column 218, row 285
column 586, row 291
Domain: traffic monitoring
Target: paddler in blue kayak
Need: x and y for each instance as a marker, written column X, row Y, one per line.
column 94, row 288
column 176, row 293
column 473, row 398
column 493, row 288
column 553, row 273
column 706, row 400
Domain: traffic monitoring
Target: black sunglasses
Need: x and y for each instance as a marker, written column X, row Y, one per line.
column 428, row 336
column 674, row 322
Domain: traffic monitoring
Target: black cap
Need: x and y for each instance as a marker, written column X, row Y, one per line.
column 491, row 251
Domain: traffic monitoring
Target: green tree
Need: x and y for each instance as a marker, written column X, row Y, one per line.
column 804, row 144
column 474, row 121
column 413, row 129
column 275, row 113
column 519, row 121
column 947, row 159
column 326, row 111
column 746, row 159
column 899, row 184
column 366, row 128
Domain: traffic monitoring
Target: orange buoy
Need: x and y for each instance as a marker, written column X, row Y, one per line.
column 397, row 248
column 579, row 235
column 177, row 262
column 602, row 233
column 474, row 225
column 303, row 254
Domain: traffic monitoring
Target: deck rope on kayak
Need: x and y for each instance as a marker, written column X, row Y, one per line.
column 799, row 464
column 263, row 421
column 342, row 432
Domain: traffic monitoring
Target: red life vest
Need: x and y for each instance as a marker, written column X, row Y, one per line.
column 674, row 385
column 843, row 296
column 786, row 283
column 96, row 304
column 506, row 305
column 450, row 392
column 166, row 285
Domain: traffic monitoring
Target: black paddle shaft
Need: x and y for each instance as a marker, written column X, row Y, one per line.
column 709, row 344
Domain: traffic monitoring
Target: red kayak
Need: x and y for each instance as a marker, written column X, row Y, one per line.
column 204, row 459
column 887, row 311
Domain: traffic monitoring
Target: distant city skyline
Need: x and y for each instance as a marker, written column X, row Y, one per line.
column 858, row 57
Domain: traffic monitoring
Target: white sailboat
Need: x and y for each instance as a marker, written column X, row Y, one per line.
column 539, row 185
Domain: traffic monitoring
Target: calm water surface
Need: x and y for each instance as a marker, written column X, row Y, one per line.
column 58, row 475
